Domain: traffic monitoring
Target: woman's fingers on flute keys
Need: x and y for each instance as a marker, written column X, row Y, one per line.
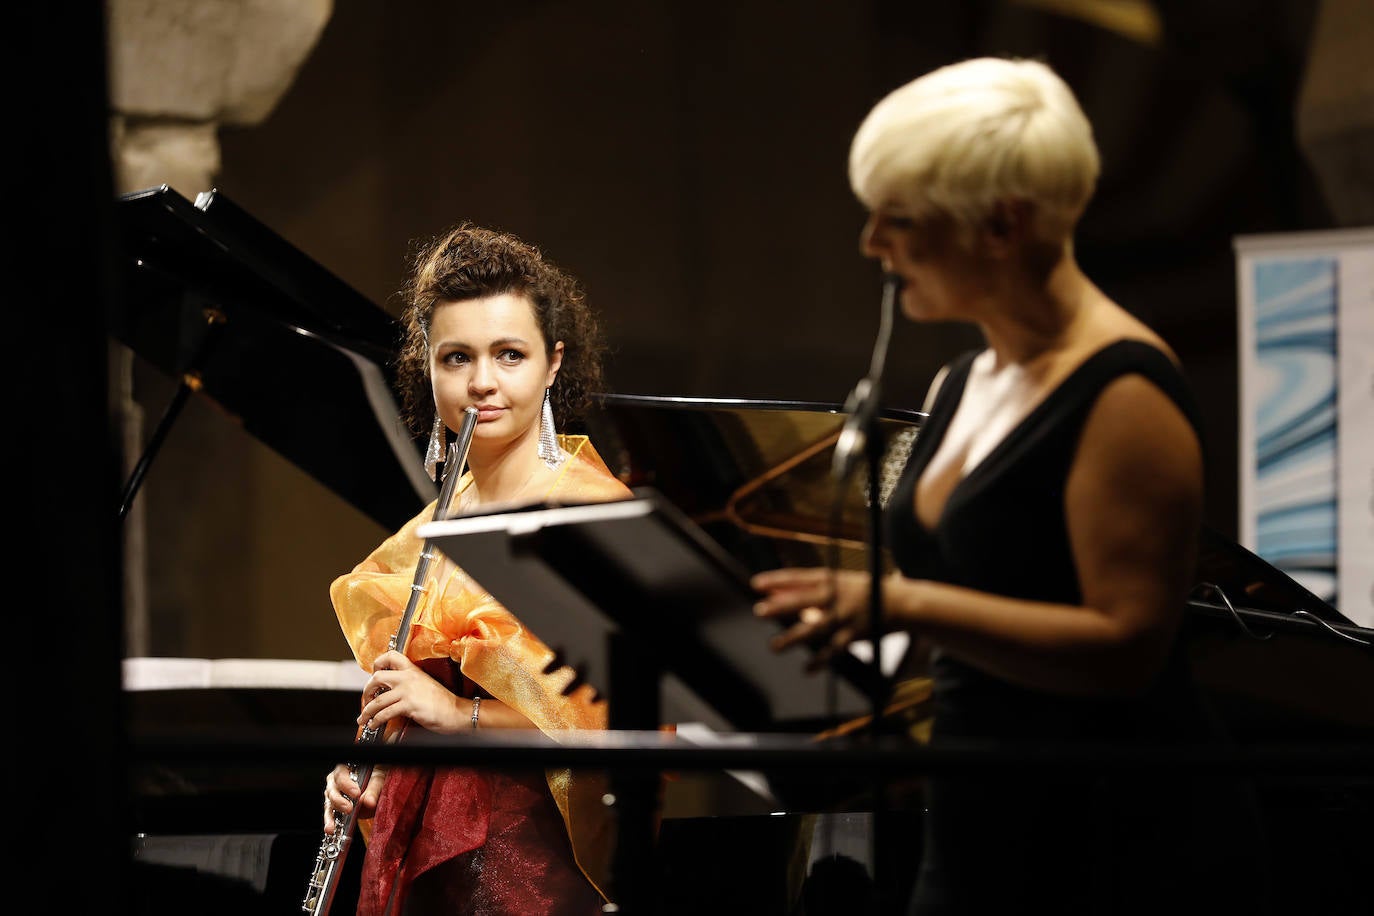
column 337, row 797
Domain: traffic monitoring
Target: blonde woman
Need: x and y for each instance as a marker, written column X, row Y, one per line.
column 1046, row 524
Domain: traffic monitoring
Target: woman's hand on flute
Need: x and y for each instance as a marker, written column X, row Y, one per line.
column 341, row 794
column 400, row 688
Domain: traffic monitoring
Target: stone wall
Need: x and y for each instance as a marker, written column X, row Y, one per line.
column 182, row 69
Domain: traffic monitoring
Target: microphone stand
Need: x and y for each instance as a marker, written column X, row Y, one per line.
column 862, row 435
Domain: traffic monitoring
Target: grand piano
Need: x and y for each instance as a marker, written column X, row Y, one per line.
column 210, row 293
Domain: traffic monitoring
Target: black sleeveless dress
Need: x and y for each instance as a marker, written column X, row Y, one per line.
column 1076, row 842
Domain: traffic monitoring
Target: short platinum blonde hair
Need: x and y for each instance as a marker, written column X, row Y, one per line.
column 958, row 139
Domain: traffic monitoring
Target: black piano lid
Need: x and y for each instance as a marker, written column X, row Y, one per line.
column 303, row 290
column 298, row 358
column 1229, row 573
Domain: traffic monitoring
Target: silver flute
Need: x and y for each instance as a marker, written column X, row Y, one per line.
column 329, row 861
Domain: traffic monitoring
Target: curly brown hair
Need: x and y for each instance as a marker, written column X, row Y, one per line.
column 470, row 262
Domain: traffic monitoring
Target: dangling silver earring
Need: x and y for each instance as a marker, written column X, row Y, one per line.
column 437, row 446
column 549, row 451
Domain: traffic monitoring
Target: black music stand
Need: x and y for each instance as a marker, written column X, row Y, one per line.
column 579, row 573
column 629, row 593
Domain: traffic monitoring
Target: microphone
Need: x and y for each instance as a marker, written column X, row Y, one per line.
column 862, row 403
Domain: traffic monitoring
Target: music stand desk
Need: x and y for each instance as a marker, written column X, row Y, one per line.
column 641, row 570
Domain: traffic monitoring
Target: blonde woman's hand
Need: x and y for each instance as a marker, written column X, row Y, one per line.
column 822, row 609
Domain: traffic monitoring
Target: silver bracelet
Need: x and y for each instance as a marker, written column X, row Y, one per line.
column 476, row 707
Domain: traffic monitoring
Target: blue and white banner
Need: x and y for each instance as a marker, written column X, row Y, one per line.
column 1306, row 332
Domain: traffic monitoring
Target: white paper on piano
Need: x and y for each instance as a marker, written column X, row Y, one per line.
column 148, row 673
column 242, row 856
